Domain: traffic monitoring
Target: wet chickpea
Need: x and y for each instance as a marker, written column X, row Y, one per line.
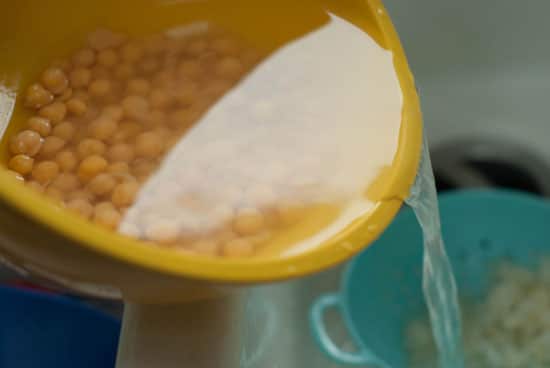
column 36, row 186
column 107, row 58
column 229, row 67
column 119, row 169
column 149, row 66
column 159, row 99
column 103, row 39
column 135, row 107
column 54, row 112
column 100, row 73
column 80, row 77
column 45, row 171
column 28, row 142
column 21, row 163
column 106, row 216
column 37, row 96
column 100, row 88
column 51, row 146
column 248, row 221
column 238, row 248
column 90, row 167
column 103, row 128
column 55, row 194
column 124, row 71
column 81, row 194
column 81, row 207
column 55, row 80
column 67, row 160
column 65, row 96
column 189, row 69
column 84, row 58
column 138, row 87
column 131, row 52
column 206, row 247
column 125, row 193
column 15, row 175
column 40, row 125
column 76, row 106
column 89, row 147
column 65, row 182
column 102, row 184
column 114, row 112
column 197, row 47
column 121, row 152
column 148, row 145
column 64, row 130
column 126, row 131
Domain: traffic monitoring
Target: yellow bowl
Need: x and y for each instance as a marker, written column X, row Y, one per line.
column 38, row 236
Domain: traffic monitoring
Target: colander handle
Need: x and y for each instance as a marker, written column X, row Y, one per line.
column 325, row 342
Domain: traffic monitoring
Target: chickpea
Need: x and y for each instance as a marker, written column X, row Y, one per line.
column 66, row 160
column 37, row 96
column 124, row 71
column 238, row 248
column 149, row 145
column 54, row 112
column 76, row 106
column 100, row 88
column 149, row 66
column 187, row 94
column 127, row 131
column 45, row 171
column 206, row 247
column 84, row 58
column 102, row 184
column 135, row 107
column 102, row 39
column 107, row 217
column 103, row 128
column 89, row 147
column 155, row 117
column 101, row 73
column 189, row 69
column 163, row 232
column 65, row 130
column 65, row 96
column 65, row 182
column 40, row 125
column 51, row 146
column 158, row 98
column 229, row 67
column 107, row 58
column 55, row 194
column 80, row 77
column 55, row 80
column 121, row 152
column 197, row 47
column 114, row 112
column 81, row 207
column 119, row 170
column 27, row 142
column 138, row 87
column 90, row 167
column 225, row 46
column 36, row 186
column 80, row 194
column 125, row 193
column 131, row 52
column 249, row 221
column 21, row 164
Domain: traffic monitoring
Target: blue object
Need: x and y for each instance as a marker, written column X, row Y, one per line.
column 46, row 331
column 382, row 290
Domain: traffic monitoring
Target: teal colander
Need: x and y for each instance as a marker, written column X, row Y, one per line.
column 381, row 289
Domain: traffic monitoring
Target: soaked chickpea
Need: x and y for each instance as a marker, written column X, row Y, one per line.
column 102, row 184
column 88, row 147
column 81, row 206
column 103, row 128
column 37, row 96
column 76, row 106
column 90, row 167
column 21, row 163
column 125, row 193
column 40, row 125
column 100, row 88
column 80, row 77
column 55, row 80
column 104, row 120
column 121, row 152
column 67, row 160
column 28, row 142
column 148, row 144
column 54, row 112
column 107, row 58
column 65, row 182
column 51, row 146
column 45, row 171
column 64, row 130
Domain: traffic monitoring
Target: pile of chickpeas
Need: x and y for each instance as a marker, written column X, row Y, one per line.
column 103, row 119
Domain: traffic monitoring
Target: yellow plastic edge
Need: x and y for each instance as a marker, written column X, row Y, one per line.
column 356, row 237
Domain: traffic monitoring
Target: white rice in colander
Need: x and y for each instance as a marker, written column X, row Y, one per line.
column 509, row 329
